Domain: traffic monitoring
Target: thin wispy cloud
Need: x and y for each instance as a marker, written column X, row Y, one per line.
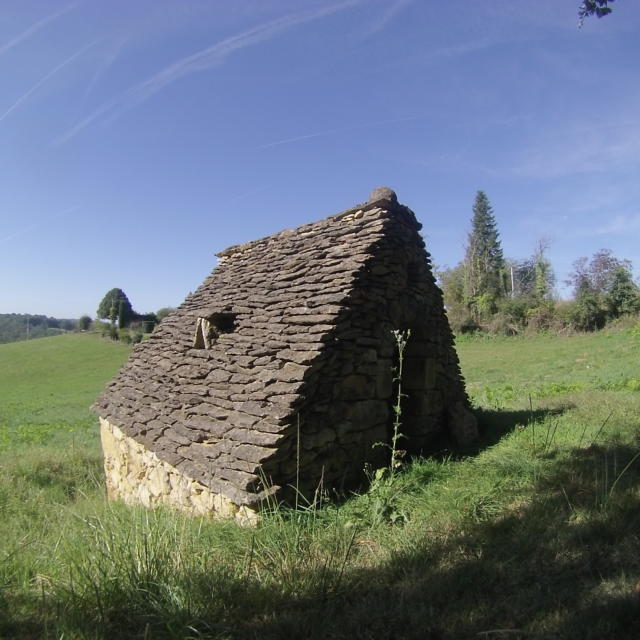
column 581, row 149
column 308, row 136
column 203, row 60
column 387, row 16
column 327, row 132
column 619, row 225
column 36, row 225
column 44, row 79
column 108, row 60
column 34, row 28
column 435, row 55
column 464, row 48
column 248, row 194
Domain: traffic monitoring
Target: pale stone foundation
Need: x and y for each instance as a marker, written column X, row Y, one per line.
column 138, row 477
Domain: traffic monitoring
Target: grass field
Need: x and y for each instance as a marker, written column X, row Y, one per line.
column 48, row 384
column 546, row 365
column 532, row 535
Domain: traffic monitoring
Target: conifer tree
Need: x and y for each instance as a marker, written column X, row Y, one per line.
column 484, row 261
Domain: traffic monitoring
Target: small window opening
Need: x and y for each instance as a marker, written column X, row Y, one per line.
column 224, row 322
column 209, row 329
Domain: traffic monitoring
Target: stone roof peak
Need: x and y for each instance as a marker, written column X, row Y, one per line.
column 383, row 193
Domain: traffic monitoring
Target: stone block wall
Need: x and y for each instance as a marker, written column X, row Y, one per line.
column 137, row 476
column 350, row 389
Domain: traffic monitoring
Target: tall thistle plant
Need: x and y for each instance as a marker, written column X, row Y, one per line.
column 383, row 493
column 401, row 338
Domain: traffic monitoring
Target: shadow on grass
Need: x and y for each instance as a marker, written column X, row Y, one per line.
column 493, row 425
column 565, row 564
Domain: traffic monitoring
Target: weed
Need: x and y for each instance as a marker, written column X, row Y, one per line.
column 382, row 493
column 621, row 384
column 397, row 454
column 635, row 331
column 401, row 338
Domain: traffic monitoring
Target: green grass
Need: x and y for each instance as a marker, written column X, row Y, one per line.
column 547, row 365
column 47, row 385
column 50, row 458
column 535, row 531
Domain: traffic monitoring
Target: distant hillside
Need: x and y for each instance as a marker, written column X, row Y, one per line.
column 23, row 326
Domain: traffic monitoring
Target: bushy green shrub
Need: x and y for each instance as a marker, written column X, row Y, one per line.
column 623, row 297
column 515, row 309
column 461, row 321
column 161, row 314
column 104, row 328
column 486, row 304
column 542, row 317
column 502, row 323
column 131, row 335
column 587, row 313
column 84, row 323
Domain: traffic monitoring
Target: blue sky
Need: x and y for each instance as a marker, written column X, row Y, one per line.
column 137, row 139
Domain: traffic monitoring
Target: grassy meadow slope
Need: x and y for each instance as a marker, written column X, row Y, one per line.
column 544, row 364
column 47, row 385
column 534, row 534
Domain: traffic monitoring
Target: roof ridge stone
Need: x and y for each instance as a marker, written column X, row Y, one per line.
column 384, row 202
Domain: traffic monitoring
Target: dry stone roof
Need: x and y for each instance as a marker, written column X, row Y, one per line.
column 278, row 369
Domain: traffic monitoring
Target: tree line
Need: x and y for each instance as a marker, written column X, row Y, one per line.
column 489, row 292
column 115, row 317
column 25, row 326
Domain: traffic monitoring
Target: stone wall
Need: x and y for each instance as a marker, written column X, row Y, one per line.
column 136, row 475
column 350, row 389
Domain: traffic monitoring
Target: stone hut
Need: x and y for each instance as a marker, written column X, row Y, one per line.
column 276, row 375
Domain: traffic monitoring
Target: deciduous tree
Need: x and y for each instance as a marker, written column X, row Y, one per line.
column 116, row 307
column 605, row 282
column 624, row 295
column 598, row 273
column 598, row 8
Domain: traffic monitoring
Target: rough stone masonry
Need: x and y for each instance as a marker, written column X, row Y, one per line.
column 276, row 375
